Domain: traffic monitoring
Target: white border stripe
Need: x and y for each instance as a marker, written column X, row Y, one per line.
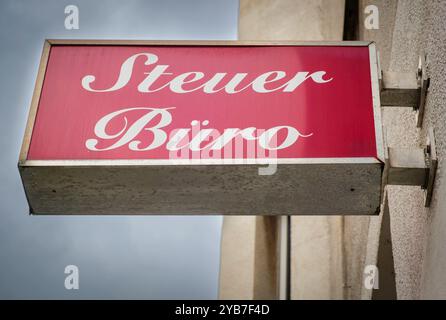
column 144, row 162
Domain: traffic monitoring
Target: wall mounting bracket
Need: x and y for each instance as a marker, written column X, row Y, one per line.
column 412, row 167
column 405, row 89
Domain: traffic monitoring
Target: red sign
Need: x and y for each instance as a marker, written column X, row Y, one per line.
column 116, row 127
column 152, row 102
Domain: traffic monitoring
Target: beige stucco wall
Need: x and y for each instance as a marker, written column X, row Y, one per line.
column 237, row 258
column 419, row 235
column 291, row 19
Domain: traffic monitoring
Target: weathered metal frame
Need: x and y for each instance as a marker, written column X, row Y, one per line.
column 413, row 167
column 406, row 89
column 347, row 185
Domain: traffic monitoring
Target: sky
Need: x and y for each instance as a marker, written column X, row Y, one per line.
column 118, row 257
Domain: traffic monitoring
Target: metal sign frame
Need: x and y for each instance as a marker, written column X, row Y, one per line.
column 332, row 185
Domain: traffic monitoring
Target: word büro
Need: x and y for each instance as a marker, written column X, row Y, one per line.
column 148, row 132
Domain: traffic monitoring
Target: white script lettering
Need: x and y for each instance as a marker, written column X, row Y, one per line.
column 155, row 121
column 195, row 80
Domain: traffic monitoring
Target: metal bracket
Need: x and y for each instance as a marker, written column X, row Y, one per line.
column 405, row 89
column 412, row 167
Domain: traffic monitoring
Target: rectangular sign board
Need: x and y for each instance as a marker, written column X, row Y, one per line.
column 162, row 127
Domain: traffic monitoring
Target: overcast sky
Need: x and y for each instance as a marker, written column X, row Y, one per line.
column 147, row 257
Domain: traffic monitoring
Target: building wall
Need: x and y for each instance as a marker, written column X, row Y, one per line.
column 316, row 243
column 408, row 27
column 291, row 20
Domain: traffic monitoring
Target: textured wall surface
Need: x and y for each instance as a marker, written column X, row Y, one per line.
column 237, row 258
column 408, row 27
column 433, row 274
column 364, row 249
